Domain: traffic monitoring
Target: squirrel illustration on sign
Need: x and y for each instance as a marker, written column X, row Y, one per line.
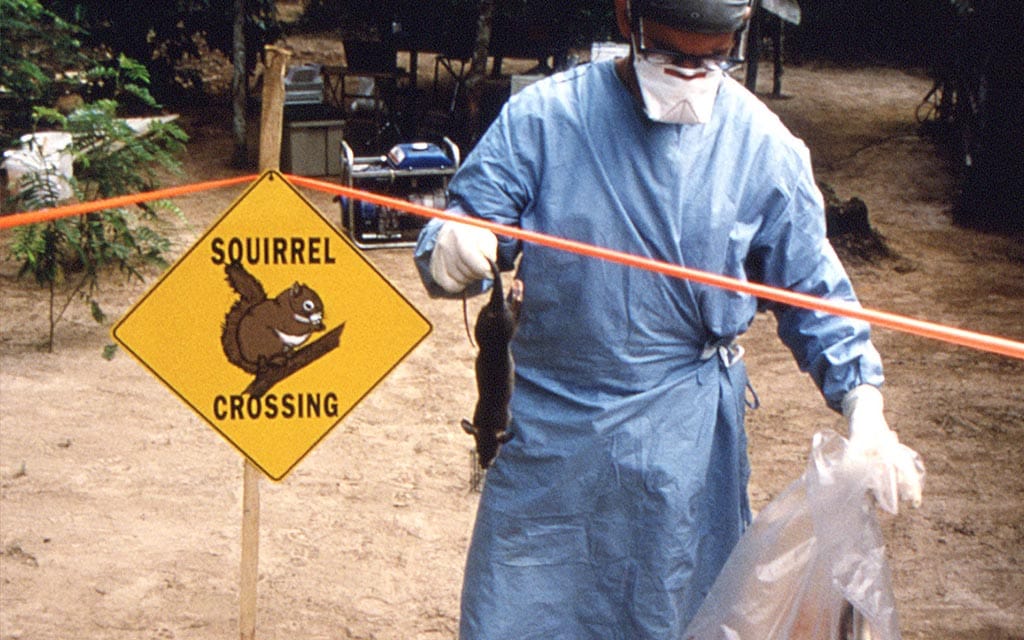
column 261, row 333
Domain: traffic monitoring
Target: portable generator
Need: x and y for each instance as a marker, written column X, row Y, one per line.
column 415, row 171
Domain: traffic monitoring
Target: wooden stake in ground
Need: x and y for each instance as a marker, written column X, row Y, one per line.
column 271, row 125
column 250, row 551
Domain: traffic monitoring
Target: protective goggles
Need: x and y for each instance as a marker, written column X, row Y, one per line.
column 679, row 59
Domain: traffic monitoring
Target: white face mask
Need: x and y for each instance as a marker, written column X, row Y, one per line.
column 677, row 100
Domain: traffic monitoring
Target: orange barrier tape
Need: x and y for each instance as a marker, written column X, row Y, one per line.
column 961, row 337
column 81, row 208
column 982, row 342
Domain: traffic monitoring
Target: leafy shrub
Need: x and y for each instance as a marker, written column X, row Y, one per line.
column 69, row 256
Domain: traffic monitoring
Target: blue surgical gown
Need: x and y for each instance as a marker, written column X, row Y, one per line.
column 613, row 508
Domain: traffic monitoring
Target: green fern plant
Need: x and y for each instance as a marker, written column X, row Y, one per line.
column 42, row 61
column 70, row 256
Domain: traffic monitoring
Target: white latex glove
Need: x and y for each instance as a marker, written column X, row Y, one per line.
column 897, row 472
column 461, row 255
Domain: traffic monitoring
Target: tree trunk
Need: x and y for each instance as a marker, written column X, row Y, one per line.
column 478, row 67
column 239, row 87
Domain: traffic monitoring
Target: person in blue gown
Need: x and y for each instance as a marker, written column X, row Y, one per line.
column 615, row 504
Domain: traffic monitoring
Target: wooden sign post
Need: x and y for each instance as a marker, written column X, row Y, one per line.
column 271, row 126
column 294, row 329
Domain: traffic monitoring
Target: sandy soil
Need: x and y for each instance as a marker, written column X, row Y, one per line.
column 120, row 511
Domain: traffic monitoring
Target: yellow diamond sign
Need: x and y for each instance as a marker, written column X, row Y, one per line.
column 272, row 327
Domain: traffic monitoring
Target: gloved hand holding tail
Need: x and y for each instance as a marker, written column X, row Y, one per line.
column 462, row 255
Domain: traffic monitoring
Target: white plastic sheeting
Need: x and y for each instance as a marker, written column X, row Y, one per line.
column 46, row 153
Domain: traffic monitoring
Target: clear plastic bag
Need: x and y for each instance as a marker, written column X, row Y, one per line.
column 810, row 554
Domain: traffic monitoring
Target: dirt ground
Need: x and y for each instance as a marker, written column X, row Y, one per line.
column 120, row 511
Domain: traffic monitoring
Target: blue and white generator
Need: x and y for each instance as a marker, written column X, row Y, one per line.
column 416, row 171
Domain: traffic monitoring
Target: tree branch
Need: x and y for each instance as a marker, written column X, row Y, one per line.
column 299, row 359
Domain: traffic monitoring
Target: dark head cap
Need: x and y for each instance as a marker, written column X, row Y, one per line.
column 698, row 16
